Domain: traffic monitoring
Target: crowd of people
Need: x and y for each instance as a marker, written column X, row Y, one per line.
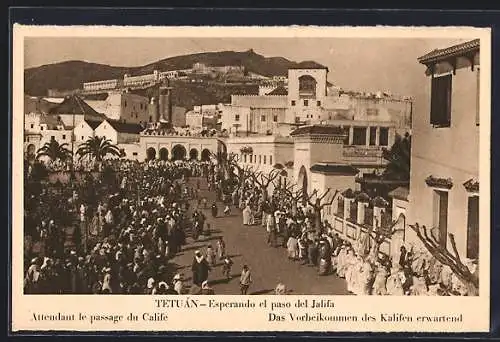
column 112, row 235
column 115, row 234
column 292, row 225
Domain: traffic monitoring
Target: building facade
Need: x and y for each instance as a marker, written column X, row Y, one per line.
column 122, row 106
column 262, row 153
column 119, row 132
column 444, row 183
column 155, row 145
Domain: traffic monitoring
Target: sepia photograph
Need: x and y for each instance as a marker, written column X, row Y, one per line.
column 252, row 165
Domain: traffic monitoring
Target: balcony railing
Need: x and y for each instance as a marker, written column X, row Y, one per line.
column 362, row 151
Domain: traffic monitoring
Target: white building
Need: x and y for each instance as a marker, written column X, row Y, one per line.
column 262, row 153
column 140, row 80
column 119, row 132
column 102, row 85
column 204, row 116
column 444, row 178
column 74, row 110
column 122, row 106
column 41, row 128
column 172, row 74
column 253, row 114
column 85, row 130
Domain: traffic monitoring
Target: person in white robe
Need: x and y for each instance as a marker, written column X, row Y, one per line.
column 418, row 287
column 341, row 261
column 365, row 278
column 246, row 215
column 350, row 270
column 292, row 248
column 379, row 284
column 394, row 285
column 446, row 277
column 109, row 217
column 251, row 221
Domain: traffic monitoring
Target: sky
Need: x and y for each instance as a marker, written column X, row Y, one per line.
column 364, row 64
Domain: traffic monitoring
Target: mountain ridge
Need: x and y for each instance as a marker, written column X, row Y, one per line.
column 69, row 75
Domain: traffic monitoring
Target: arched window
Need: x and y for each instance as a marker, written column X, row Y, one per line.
column 307, row 86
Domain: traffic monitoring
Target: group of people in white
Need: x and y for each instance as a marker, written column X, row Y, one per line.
column 411, row 270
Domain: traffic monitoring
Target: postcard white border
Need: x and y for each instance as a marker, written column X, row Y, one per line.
column 474, row 310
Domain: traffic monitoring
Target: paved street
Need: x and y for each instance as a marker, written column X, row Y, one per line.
column 247, row 245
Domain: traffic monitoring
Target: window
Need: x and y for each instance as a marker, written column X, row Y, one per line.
column 250, row 159
column 307, row 86
column 359, row 136
column 383, row 139
column 373, row 136
column 440, row 212
column 441, row 101
column 371, row 111
column 346, row 133
column 83, row 137
column 265, row 157
column 263, row 118
column 271, row 160
column 275, row 118
column 32, row 125
column 134, row 153
column 245, row 158
column 124, row 103
column 473, row 227
column 52, row 137
column 41, row 128
column 260, row 159
column 237, row 117
column 64, row 137
column 318, row 103
column 293, row 102
column 306, row 103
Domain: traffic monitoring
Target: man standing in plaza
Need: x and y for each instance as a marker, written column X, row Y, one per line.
column 245, row 280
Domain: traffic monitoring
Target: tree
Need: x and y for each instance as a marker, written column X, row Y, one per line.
column 399, row 158
column 376, row 237
column 54, row 151
column 445, row 257
column 318, row 206
column 263, row 180
column 98, row 148
column 289, row 191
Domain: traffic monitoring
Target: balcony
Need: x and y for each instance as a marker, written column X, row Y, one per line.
column 363, row 151
column 364, row 154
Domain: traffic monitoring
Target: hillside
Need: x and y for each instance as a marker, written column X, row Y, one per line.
column 188, row 95
column 71, row 74
column 67, row 76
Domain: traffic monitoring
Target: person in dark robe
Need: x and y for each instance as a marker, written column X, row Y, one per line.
column 402, row 257
column 200, row 269
column 214, row 210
